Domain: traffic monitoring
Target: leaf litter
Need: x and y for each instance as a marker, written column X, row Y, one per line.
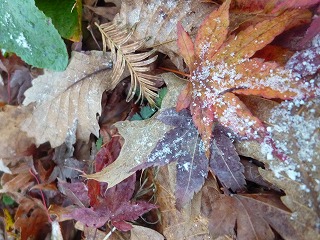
column 215, row 194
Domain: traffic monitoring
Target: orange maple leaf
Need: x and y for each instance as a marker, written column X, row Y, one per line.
column 221, row 67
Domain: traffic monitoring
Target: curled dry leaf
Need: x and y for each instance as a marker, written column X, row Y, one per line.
column 65, row 98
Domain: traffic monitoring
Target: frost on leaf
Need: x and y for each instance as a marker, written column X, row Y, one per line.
column 62, row 98
column 223, row 68
column 165, row 16
column 140, row 137
column 181, row 144
column 294, row 126
column 307, row 61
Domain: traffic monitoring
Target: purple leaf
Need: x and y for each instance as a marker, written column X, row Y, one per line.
column 181, row 144
column 77, row 192
column 307, row 61
column 90, row 217
column 225, row 161
column 130, row 211
column 312, row 31
column 122, row 225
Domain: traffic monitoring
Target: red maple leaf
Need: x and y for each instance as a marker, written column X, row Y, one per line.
column 221, row 67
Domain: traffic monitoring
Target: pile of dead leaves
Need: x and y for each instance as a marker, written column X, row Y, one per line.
column 115, row 148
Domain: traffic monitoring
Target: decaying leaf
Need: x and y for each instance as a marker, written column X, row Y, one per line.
column 294, row 126
column 295, row 129
column 251, row 216
column 140, row 137
column 143, row 233
column 225, row 162
column 222, row 68
column 31, row 219
column 66, row 98
column 188, row 223
column 165, row 15
column 183, row 145
column 97, row 204
column 14, row 144
column 307, row 61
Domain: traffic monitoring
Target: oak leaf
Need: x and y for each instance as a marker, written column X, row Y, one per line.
column 295, row 130
column 222, row 68
column 64, row 99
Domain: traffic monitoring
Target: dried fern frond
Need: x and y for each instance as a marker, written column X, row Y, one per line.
column 116, row 37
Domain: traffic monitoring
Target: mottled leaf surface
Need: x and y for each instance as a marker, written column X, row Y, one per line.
column 307, row 61
column 140, row 137
column 181, row 144
column 217, row 75
column 166, row 15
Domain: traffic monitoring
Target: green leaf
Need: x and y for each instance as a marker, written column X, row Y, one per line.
column 66, row 16
column 26, row 31
column 99, row 143
column 162, row 92
column 7, row 200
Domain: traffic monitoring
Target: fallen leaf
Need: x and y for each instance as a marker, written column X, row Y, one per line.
column 140, row 136
column 222, row 68
column 312, row 31
column 188, row 223
column 31, row 219
column 64, row 98
column 183, row 145
column 248, row 216
column 165, row 15
column 295, row 130
column 225, row 162
column 143, row 233
column 15, row 144
column 307, row 61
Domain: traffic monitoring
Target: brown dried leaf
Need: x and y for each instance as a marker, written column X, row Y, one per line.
column 250, row 216
column 14, row 144
column 143, row 233
column 185, row 224
column 140, row 137
column 165, row 15
column 295, row 130
column 32, row 220
column 69, row 98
